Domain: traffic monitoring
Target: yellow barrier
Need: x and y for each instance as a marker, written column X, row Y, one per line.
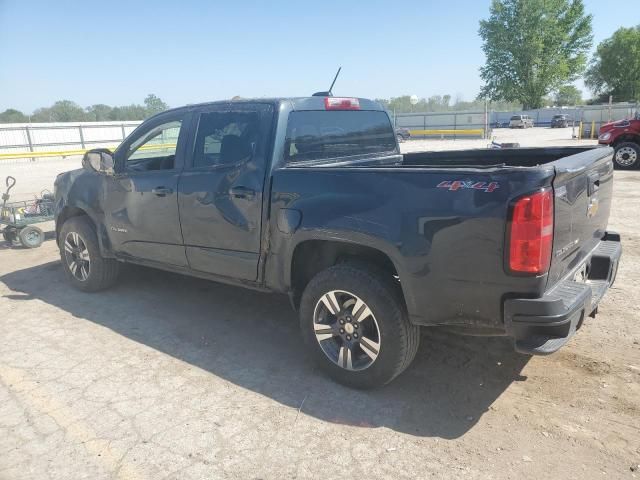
column 477, row 131
column 69, row 153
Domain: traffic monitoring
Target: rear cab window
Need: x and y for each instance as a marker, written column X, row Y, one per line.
column 325, row 135
column 516, row 117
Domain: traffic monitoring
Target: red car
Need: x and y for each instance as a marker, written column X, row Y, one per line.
column 624, row 136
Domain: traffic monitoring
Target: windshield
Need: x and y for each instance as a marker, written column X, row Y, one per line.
column 316, row 135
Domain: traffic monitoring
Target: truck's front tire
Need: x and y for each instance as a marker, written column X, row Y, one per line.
column 627, row 156
column 356, row 326
column 83, row 265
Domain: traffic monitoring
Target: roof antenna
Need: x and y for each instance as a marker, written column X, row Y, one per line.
column 329, row 92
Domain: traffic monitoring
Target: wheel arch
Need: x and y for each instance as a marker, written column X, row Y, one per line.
column 626, row 138
column 69, row 211
column 311, row 256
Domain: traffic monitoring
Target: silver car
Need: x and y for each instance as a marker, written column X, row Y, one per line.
column 521, row 121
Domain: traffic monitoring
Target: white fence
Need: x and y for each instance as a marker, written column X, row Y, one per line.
column 47, row 137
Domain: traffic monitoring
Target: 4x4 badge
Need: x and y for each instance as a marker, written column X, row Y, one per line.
column 458, row 184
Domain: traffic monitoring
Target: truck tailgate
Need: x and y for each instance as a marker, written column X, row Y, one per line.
column 583, row 188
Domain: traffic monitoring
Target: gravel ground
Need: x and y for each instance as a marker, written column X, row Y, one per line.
column 171, row 377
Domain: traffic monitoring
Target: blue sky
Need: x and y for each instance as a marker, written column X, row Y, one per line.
column 116, row 52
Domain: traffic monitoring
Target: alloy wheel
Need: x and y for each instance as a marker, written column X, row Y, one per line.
column 77, row 256
column 346, row 330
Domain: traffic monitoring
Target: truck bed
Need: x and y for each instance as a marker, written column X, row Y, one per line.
column 511, row 157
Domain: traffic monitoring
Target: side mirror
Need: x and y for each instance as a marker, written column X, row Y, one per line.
column 99, row 160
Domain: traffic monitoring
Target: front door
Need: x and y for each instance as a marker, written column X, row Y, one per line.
column 220, row 190
column 141, row 199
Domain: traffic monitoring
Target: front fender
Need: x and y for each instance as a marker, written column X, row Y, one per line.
column 80, row 192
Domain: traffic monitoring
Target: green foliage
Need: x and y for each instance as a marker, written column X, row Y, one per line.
column 61, row 111
column 154, row 105
column 129, row 112
column 11, row 115
column 435, row 103
column 567, row 95
column 68, row 111
column 442, row 103
column 532, row 48
column 615, row 67
column 99, row 112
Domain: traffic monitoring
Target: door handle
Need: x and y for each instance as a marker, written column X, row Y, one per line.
column 161, row 191
column 242, row 192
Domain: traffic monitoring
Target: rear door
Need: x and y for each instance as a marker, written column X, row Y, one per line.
column 221, row 189
column 583, row 188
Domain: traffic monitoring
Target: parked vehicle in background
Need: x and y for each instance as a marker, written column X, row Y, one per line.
column 521, row 121
column 402, row 134
column 311, row 197
column 560, row 121
column 624, row 137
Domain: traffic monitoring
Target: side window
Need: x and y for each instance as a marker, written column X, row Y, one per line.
column 156, row 149
column 226, row 138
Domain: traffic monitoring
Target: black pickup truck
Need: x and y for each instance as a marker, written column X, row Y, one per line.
column 312, row 197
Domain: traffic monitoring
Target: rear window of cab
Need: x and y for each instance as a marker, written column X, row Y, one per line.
column 323, row 135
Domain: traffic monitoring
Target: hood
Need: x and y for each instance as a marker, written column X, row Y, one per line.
column 612, row 125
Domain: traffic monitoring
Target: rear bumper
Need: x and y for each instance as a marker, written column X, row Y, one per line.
column 540, row 326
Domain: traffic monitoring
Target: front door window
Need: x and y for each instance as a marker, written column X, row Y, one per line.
column 155, row 150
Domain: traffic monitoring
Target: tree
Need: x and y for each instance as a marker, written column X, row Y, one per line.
column 532, row 48
column 154, row 105
column 438, row 103
column 615, row 67
column 568, row 95
column 61, row 111
column 129, row 112
column 11, row 115
column 68, row 111
column 99, row 112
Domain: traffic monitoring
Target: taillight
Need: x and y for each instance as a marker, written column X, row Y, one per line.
column 341, row 103
column 531, row 233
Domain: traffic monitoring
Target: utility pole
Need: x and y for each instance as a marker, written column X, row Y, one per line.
column 486, row 119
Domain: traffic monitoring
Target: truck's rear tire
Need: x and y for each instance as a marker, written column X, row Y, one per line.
column 356, row 326
column 627, row 156
column 83, row 265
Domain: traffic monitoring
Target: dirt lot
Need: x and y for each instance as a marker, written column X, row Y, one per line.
column 170, row 377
